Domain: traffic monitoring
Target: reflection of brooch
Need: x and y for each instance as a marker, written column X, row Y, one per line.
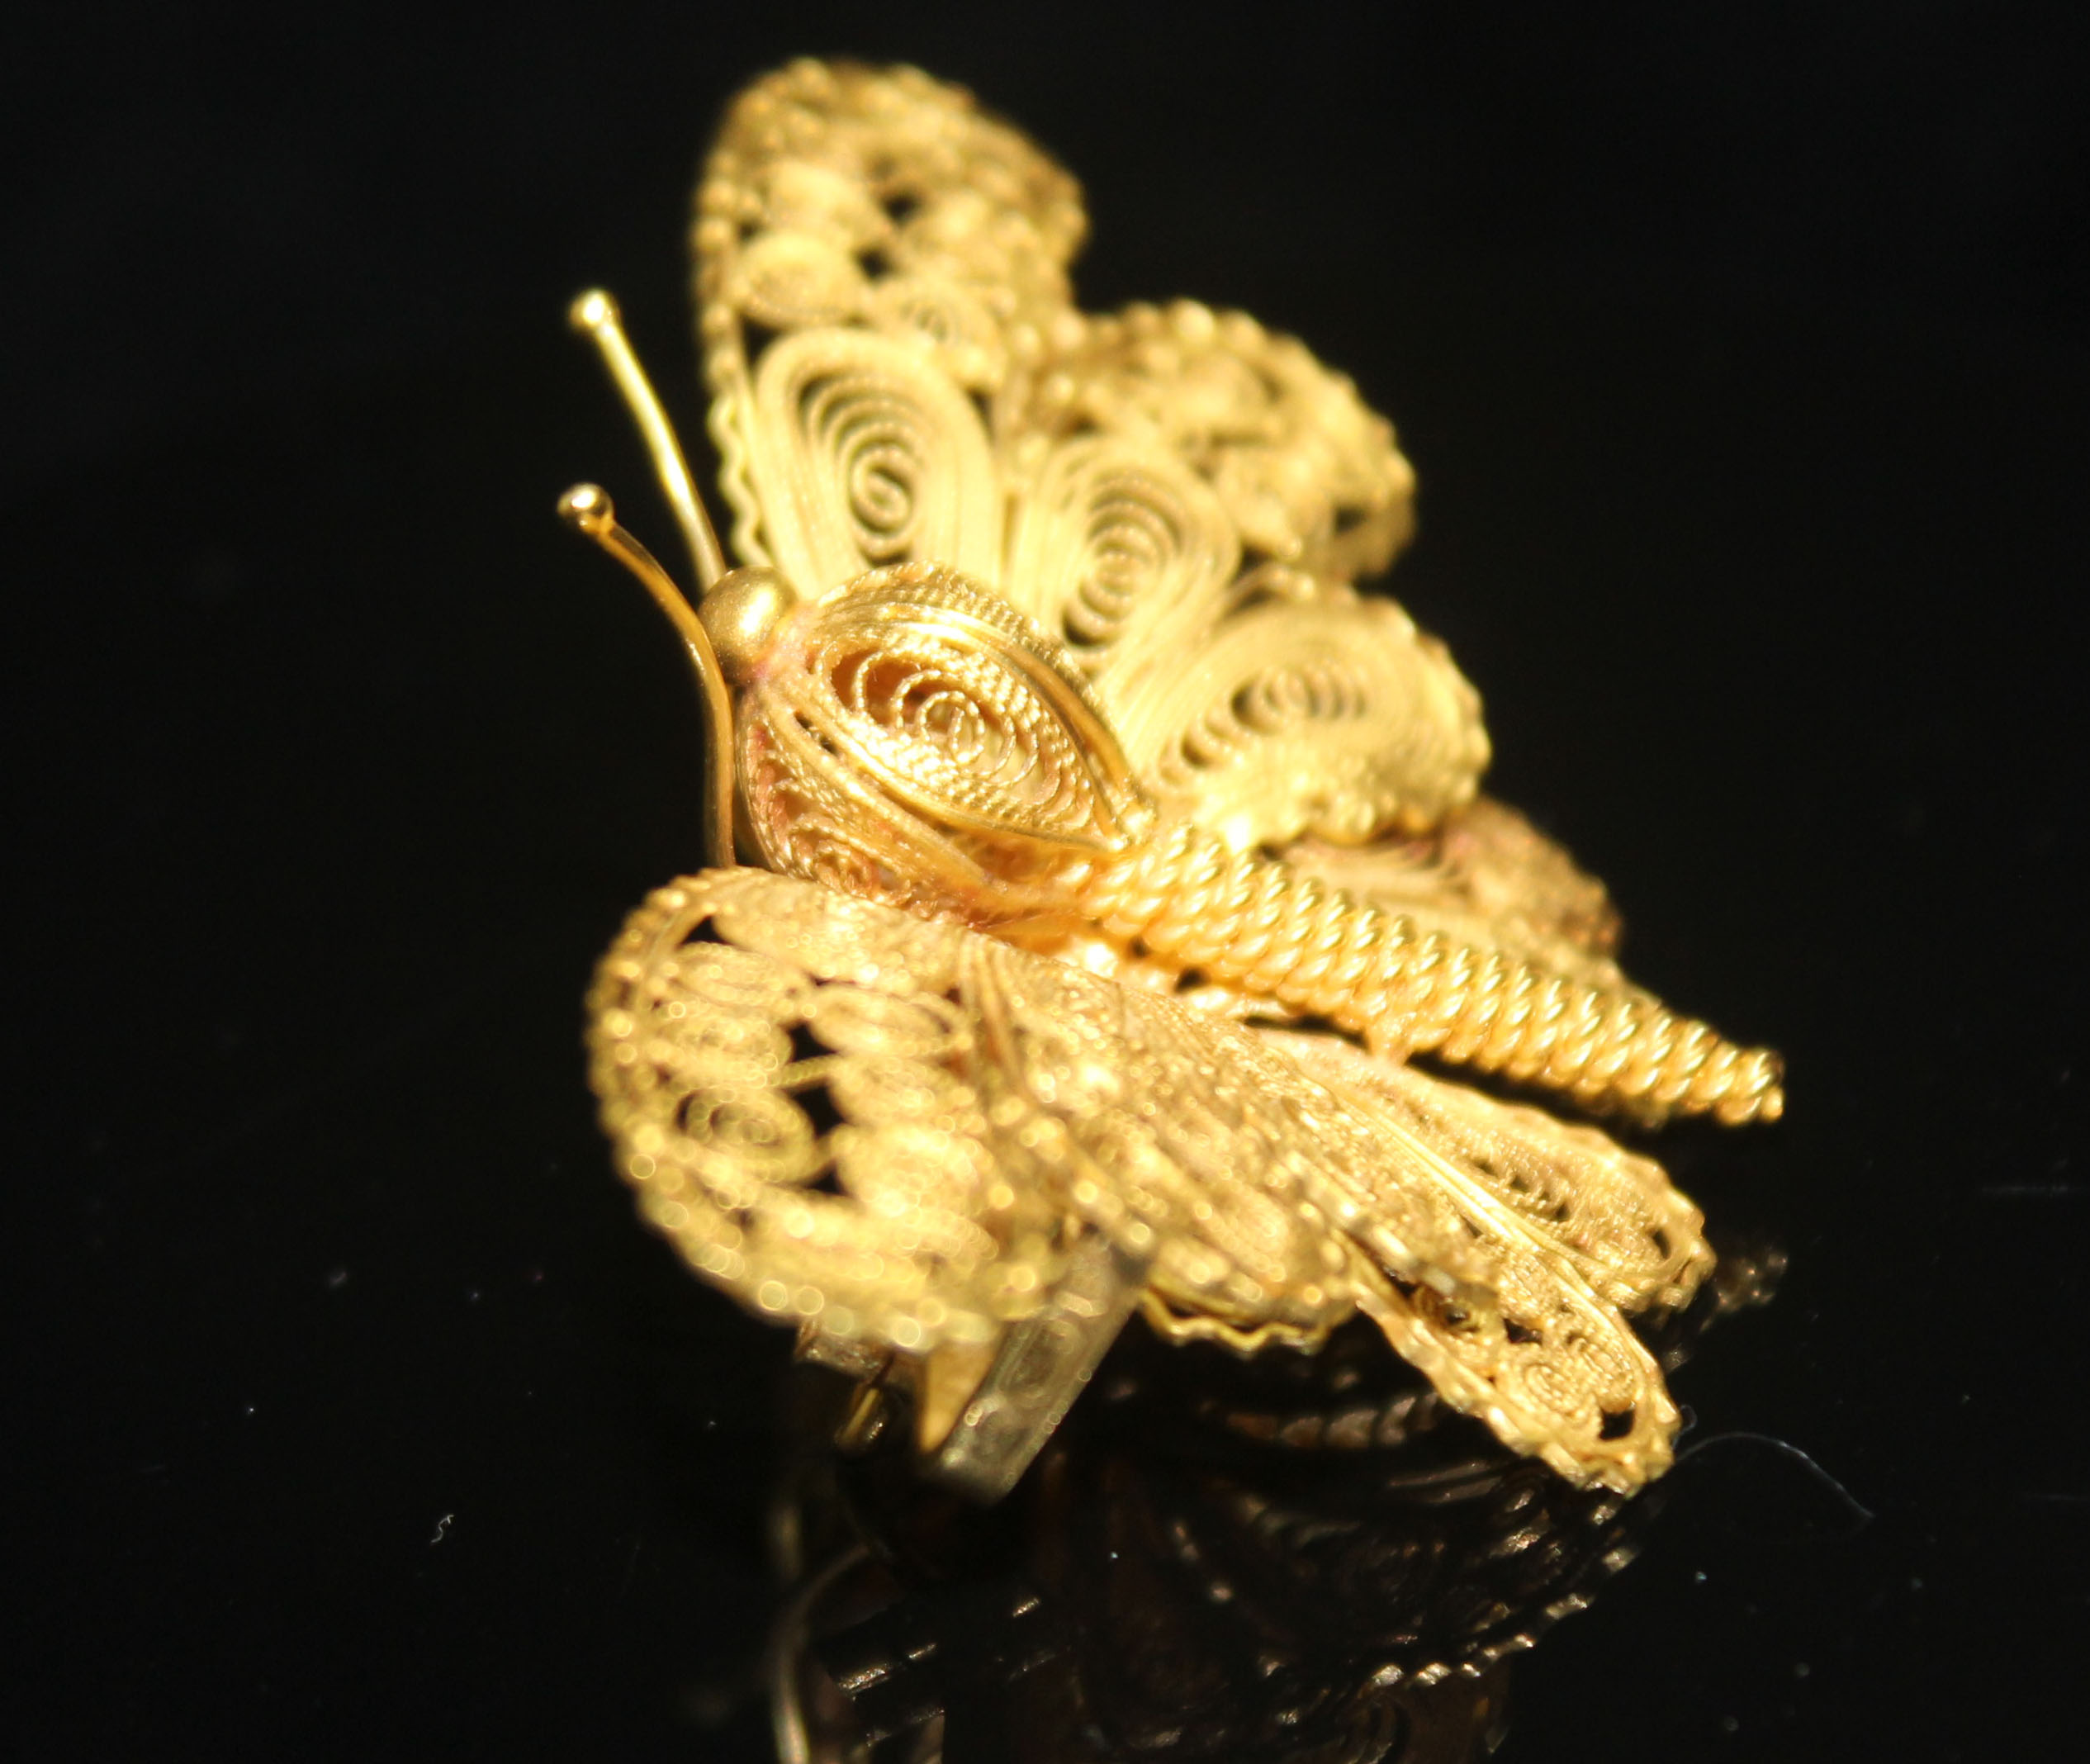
column 1287, row 1558
column 1113, row 851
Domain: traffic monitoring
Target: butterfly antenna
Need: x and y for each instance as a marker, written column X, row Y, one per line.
column 587, row 509
column 595, row 315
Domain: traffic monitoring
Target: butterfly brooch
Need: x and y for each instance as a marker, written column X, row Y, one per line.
column 1108, row 854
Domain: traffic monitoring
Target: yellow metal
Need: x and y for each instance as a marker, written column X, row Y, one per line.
column 594, row 314
column 1117, row 850
column 587, row 509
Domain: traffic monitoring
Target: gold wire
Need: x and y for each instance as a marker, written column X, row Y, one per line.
column 594, row 314
column 587, row 509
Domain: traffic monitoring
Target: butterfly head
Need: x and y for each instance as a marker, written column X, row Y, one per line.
column 742, row 614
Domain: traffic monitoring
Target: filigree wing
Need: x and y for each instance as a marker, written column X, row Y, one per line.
column 1244, row 1178
column 991, row 1199
column 898, row 374
column 872, row 254
column 990, row 1108
column 989, row 1111
column 1193, row 498
column 1629, row 1235
column 706, row 1047
column 1571, row 1230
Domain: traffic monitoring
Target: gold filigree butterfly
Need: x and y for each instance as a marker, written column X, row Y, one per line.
column 1108, row 852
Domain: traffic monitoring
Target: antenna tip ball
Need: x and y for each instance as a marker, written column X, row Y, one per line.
column 592, row 311
column 587, row 508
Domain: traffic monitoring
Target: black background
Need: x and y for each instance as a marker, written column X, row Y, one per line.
column 1742, row 352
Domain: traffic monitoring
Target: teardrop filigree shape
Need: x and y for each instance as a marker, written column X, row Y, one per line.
column 932, row 705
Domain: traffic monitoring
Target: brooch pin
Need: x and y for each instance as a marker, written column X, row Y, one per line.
column 1109, row 852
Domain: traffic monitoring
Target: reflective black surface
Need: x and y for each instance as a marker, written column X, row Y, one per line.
column 1743, row 360
column 1293, row 1559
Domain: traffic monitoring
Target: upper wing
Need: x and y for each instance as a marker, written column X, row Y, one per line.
column 898, row 372
column 988, row 1108
column 873, row 255
column 1194, row 497
column 899, row 1133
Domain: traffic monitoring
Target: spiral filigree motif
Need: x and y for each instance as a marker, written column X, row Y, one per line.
column 908, row 180
column 1123, row 548
column 1271, row 704
column 726, row 1165
column 1313, row 715
column 1550, row 1366
column 980, row 738
column 1307, row 474
column 954, row 725
column 864, row 454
